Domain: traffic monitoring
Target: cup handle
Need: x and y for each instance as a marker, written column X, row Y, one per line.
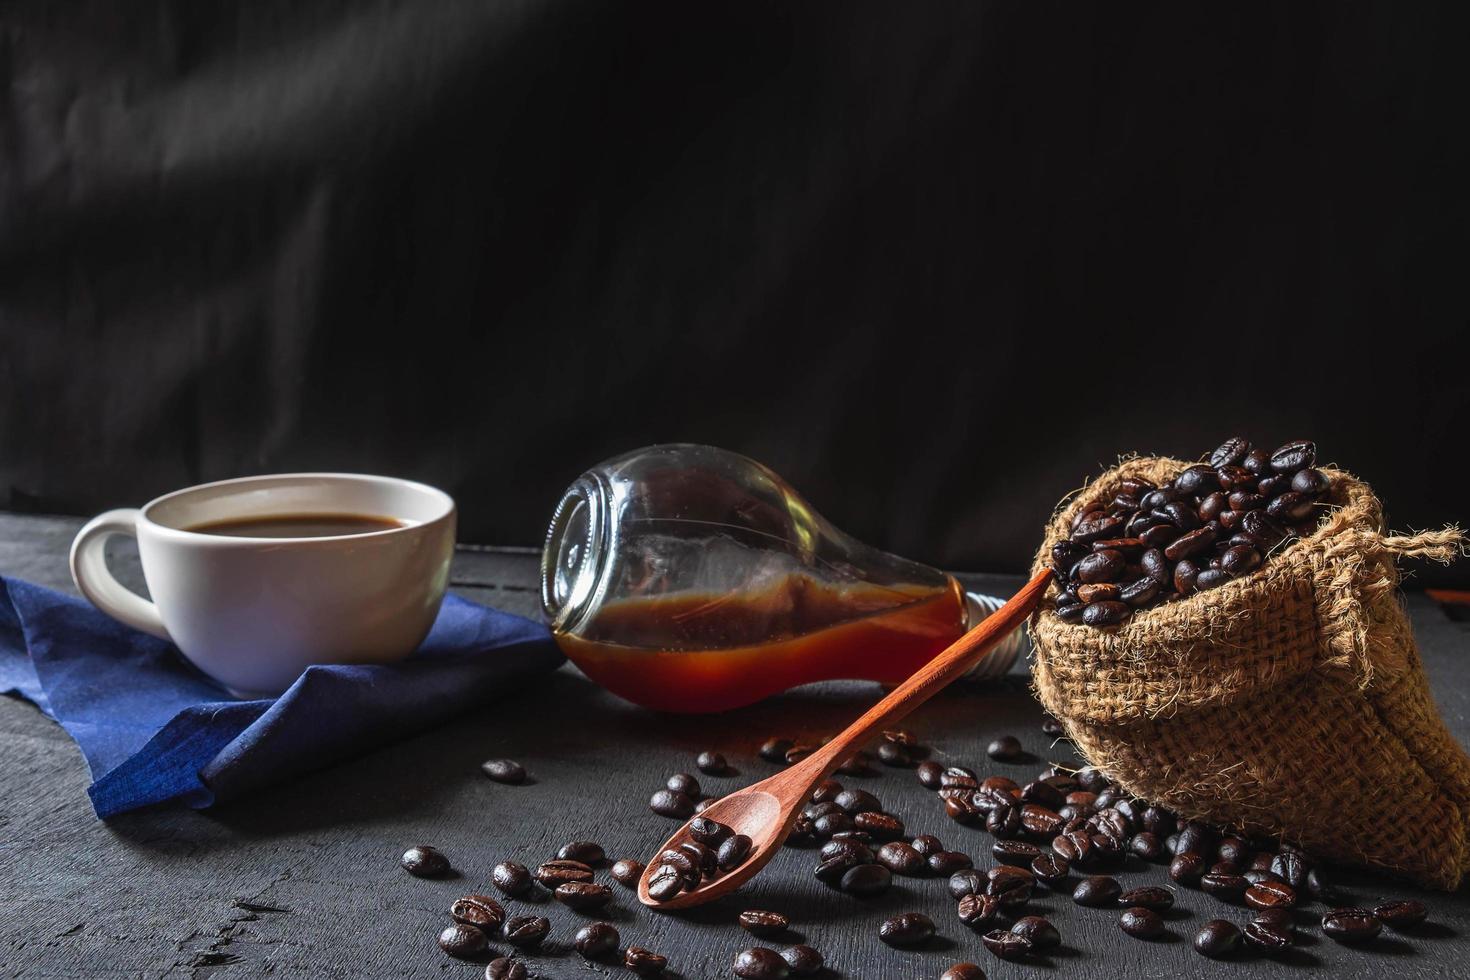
column 90, row 572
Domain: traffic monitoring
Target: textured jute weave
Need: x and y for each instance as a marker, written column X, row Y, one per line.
column 1291, row 702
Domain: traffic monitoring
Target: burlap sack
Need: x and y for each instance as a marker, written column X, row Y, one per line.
column 1291, row 702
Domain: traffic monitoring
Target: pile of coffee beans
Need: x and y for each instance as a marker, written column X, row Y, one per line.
column 712, row 850
column 1214, row 522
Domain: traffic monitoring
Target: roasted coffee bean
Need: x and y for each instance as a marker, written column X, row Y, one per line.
column 1101, row 592
column 705, row 804
column 1043, row 794
column 1225, row 885
column 1351, row 925
column 1401, row 914
column 583, row 896
column 1217, row 939
column 815, row 810
column 829, row 824
column 775, row 749
column 866, row 880
column 733, row 852
column 894, row 755
column 927, row 845
column 1041, row 821
column 682, row 782
column 511, row 878
column 1185, row 574
column 963, row 971
column 1101, row 566
column 669, row 803
column 802, row 960
column 423, row 861
column 463, row 941
column 883, row 826
column 1007, row 748
column 1097, row 526
column 1231, row 452
column 1015, row 852
column 838, row 858
column 504, row 771
column 1258, row 461
column 480, row 911
column 1148, row 897
column 907, row 929
column 525, row 931
column 857, row 836
column 1007, row 945
column 1146, row 845
column 798, row 752
column 1140, row 593
column 1243, row 500
column 1064, row 555
column 1275, row 917
column 1186, row 868
column 1269, row 936
column 856, row 801
column 1004, row 822
column 759, row 922
column 1073, row 846
column 1198, row 480
column 1071, row 614
column 1295, row 455
column 1211, row 506
column 1039, row 930
column 1240, row 560
column 1270, row 486
column 948, row 862
column 901, row 859
column 1290, row 868
column 1141, row 922
column 710, row 833
column 1190, row 544
column 856, row 764
column 506, row 968
column 1012, row 888
column 702, row 855
column 979, row 912
column 803, row 833
column 712, row 763
column 826, row 792
column 557, row 872
column 586, row 851
column 1270, row 895
column 759, row 963
column 1321, row 886
column 596, row 939
column 967, row 881
column 666, row 882
column 1210, row 578
column 1105, row 613
column 1050, row 868
column 1158, row 821
column 1264, row 528
column 929, row 774
column 1291, row 507
column 1309, row 483
column 1098, row 891
column 644, row 962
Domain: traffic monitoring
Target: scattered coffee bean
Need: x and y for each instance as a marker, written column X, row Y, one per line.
column 462, row 941
column 1226, row 885
column 506, row 968
column 759, row 963
column 511, row 878
column 906, row 929
column 927, row 845
column 901, row 859
column 669, row 803
column 803, row 960
column 929, row 773
column 1007, row 748
column 480, row 911
column 1217, row 939
column 705, row 804
column 1276, row 917
column 895, row 755
column 1050, row 868
column 1010, row 886
column 665, row 882
column 1401, row 914
column 504, row 771
column 1015, row 852
column 732, row 852
column 1006, row 945
column 1186, row 868
column 525, row 931
column 963, row 971
column 759, row 922
column 1039, row 930
column 560, row 871
column 775, row 749
column 948, row 862
column 798, row 752
column 1098, row 891
column 1351, row 925
column 1269, row 936
column 1148, row 897
column 978, row 911
column 1141, row 923
column 583, row 850
column 627, row 871
column 856, row 764
column 582, row 896
column 1270, row 895
column 1290, row 868
column 423, row 861
column 1146, row 845
column 596, row 939
column 855, row 801
column 968, row 881
column 644, row 962
column 682, row 782
column 712, row 763
column 883, row 826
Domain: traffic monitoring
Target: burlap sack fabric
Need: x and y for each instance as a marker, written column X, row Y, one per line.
column 1291, row 702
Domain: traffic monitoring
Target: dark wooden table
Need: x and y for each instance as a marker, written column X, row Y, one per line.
column 302, row 880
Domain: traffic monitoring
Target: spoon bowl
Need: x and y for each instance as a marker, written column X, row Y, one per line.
column 766, row 811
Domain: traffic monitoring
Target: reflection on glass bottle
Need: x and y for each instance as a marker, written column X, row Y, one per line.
column 687, row 578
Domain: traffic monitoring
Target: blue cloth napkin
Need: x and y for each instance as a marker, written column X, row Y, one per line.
column 154, row 729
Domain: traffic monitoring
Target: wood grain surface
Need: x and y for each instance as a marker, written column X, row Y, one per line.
column 302, row 880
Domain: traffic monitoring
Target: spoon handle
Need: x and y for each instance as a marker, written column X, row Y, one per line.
column 933, row 677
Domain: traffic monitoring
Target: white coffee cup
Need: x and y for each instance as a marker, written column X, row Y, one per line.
column 254, row 612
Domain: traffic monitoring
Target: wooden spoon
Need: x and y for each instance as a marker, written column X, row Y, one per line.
column 765, row 811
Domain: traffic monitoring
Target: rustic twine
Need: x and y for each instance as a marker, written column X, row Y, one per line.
column 1291, row 702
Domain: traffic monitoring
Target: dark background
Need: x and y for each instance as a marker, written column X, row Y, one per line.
column 936, row 263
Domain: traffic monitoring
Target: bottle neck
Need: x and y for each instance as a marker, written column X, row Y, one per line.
column 576, row 550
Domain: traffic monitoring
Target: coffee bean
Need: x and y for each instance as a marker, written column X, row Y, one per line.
column 511, row 878
column 948, row 862
column 1064, row 555
column 1351, row 925
column 1291, row 507
column 1186, row 868
column 480, row 911
column 1006, row 945
column 963, row 971
column 705, row 804
column 1231, row 452
column 1310, row 483
column 506, row 968
column 1217, row 939
column 927, row 845
column 1290, row 868
column 666, row 882
column 1185, row 574
column 967, row 881
column 856, row 801
column 1101, row 592
column 1146, row 845
column 894, row 755
column 1269, row 936
column 1098, row 891
column 504, row 771
column 557, row 872
column 682, row 782
column 856, row 764
column 1275, row 917
column 669, row 803
column 929, row 774
column 901, row 859
column 1226, row 885
column 883, row 826
column 1043, row 794
column 1011, row 889
column 1401, row 914
column 585, row 851
column 1140, row 593
column 1073, row 846
column 1039, row 930
column 802, row 960
column 906, row 929
column 712, row 763
column 979, row 912
column 1141, row 923
column 1105, row 613
column 732, row 852
column 775, row 749
column 1198, row 480
column 1321, row 886
column 1050, row 868
column 627, row 871
column 710, row 833
column 1210, row 578
column 1004, row 822
column 463, row 941
column 644, row 962
column 1015, row 852
column 583, row 896
column 1240, row 560
column 759, row 963
column 1007, row 748
column 759, row 922
column 1258, row 461
column 1295, row 455
column 1096, row 526
column 1100, row 566
column 525, row 931
column 596, row 939
column 423, row 861
column 703, row 857
column 1270, row 895
column 829, row 824
column 866, row 880
column 1190, row 544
